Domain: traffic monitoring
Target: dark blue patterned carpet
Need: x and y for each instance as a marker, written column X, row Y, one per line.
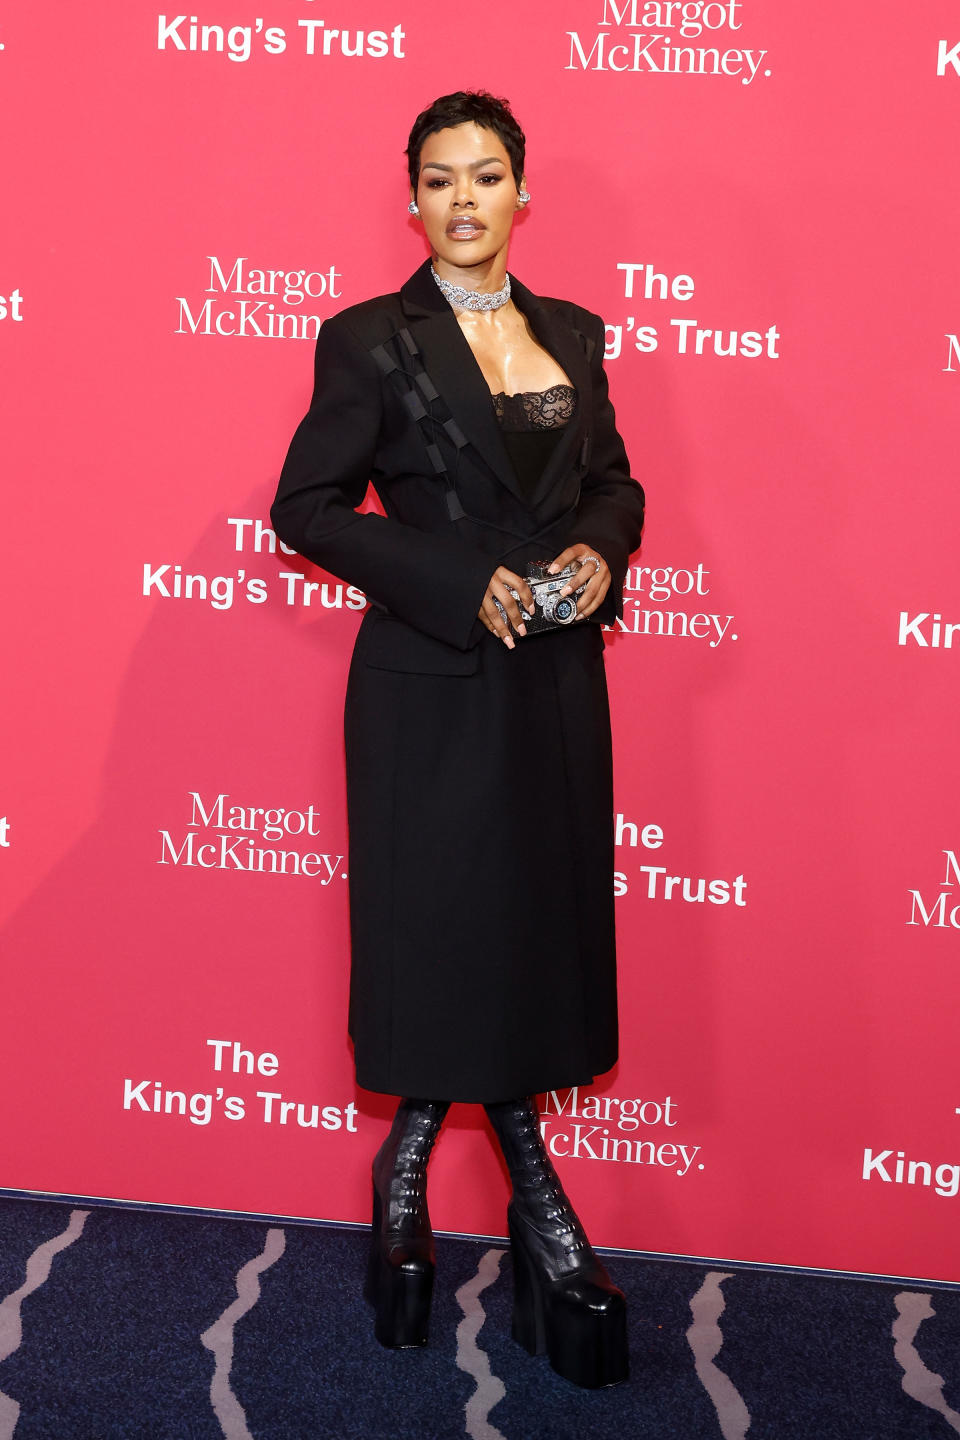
column 126, row 1325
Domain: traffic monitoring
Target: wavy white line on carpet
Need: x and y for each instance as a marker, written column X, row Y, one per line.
column 11, row 1326
column 919, row 1383
column 706, row 1340
column 489, row 1388
column 219, row 1337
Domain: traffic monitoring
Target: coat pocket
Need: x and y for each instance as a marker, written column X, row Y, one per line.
column 394, row 645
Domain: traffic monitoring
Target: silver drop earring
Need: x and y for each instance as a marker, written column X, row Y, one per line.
column 413, row 208
column 523, row 196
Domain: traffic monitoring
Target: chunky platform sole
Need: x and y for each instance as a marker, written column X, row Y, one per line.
column 585, row 1344
column 400, row 1296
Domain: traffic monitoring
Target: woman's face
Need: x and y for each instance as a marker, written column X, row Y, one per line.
column 467, row 196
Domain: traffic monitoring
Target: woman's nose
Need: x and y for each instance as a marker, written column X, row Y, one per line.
column 462, row 195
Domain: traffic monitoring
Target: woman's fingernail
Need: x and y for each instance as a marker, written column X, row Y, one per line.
column 566, row 590
column 509, row 642
column 521, row 629
column 552, row 569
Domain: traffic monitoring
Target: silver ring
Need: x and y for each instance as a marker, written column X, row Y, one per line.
column 585, row 558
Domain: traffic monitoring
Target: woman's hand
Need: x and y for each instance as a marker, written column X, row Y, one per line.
column 594, row 573
column 501, row 583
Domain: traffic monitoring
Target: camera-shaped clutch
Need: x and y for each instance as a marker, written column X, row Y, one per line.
column 550, row 608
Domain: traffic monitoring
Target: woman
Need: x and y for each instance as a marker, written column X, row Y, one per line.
column 478, row 755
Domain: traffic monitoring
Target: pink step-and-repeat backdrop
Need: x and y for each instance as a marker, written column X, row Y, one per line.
column 760, row 199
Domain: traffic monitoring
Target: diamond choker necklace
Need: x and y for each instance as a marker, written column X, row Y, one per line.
column 472, row 299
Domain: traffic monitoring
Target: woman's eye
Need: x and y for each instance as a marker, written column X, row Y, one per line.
column 436, row 184
column 491, row 179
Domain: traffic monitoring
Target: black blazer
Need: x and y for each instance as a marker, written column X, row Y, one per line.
column 399, row 400
column 462, row 989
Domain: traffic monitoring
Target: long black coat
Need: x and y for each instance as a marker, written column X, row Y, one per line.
column 478, row 779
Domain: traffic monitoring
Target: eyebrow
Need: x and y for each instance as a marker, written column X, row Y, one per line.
column 474, row 164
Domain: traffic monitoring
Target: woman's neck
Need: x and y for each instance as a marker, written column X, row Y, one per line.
column 485, row 278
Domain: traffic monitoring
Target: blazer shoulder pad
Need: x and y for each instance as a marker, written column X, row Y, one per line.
column 370, row 321
column 576, row 315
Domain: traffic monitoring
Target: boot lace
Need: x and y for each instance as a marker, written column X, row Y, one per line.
column 545, row 1196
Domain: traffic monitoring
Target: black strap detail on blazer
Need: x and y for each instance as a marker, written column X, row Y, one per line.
column 589, row 348
column 399, row 361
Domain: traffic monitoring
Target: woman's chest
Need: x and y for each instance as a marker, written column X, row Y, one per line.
column 510, row 357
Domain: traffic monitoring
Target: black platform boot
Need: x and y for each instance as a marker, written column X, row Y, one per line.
column 564, row 1303
column 402, row 1256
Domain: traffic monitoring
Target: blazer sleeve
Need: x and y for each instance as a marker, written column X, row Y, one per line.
column 610, row 513
column 433, row 581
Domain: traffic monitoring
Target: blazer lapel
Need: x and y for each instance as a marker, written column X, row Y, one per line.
column 450, row 363
column 556, row 336
column 448, row 360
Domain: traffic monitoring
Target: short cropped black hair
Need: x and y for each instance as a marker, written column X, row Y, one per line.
column 462, row 108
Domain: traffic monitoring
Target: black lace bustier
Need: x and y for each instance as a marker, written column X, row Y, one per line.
column 531, row 423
